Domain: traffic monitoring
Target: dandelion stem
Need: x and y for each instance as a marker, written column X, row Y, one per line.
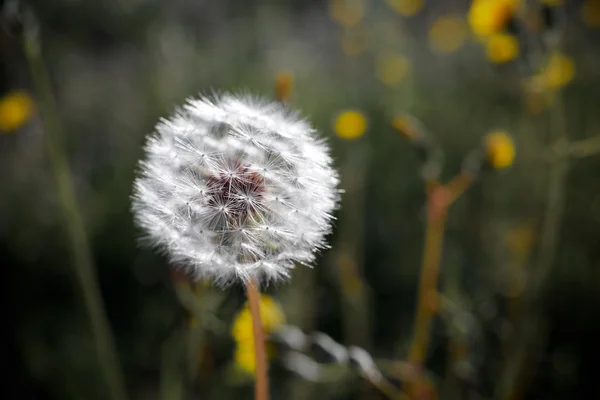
column 73, row 221
column 261, row 388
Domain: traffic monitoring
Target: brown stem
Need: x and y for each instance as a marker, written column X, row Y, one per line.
column 457, row 186
column 261, row 388
column 431, row 185
column 436, row 217
column 439, row 199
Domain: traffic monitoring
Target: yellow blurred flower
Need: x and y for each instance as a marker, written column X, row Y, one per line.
column 244, row 356
column 347, row 12
column 271, row 314
column 590, row 13
column 537, row 101
column 447, row 34
column 552, row 3
column 500, row 150
column 520, row 240
column 355, row 40
column 558, row 71
column 284, row 84
column 501, row 48
column 491, row 16
column 350, row 124
column 272, row 317
column 392, row 69
column 408, row 8
column 16, row 108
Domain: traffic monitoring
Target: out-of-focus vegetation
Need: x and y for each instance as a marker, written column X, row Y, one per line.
column 496, row 97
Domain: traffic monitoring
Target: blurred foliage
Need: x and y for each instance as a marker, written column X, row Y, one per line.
column 117, row 66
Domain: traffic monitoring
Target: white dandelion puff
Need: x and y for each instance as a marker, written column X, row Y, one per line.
column 236, row 187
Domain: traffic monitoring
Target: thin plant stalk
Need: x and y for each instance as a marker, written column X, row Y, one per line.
column 427, row 287
column 531, row 336
column 457, row 186
column 82, row 259
column 534, row 332
column 439, row 199
column 261, row 387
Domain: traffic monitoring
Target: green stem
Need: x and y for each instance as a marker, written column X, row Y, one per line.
column 531, row 338
column 73, row 221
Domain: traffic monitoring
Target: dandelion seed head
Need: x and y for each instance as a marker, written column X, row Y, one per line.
column 236, row 188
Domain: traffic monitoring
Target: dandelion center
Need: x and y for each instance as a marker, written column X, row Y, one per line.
column 236, row 193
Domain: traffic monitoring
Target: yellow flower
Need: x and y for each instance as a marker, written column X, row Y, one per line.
column 590, row 13
column 355, row 40
column 284, row 84
column 447, row 34
column 272, row 317
column 552, row 3
column 559, row 71
column 245, row 357
column 347, row 12
column 408, row 8
column 520, row 240
column 271, row 314
column 491, row 16
column 392, row 69
column 537, row 101
column 501, row 48
column 15, row 110
column 500, row 150
column 350, row 124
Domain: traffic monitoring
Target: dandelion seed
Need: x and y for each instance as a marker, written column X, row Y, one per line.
column 236, row 187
